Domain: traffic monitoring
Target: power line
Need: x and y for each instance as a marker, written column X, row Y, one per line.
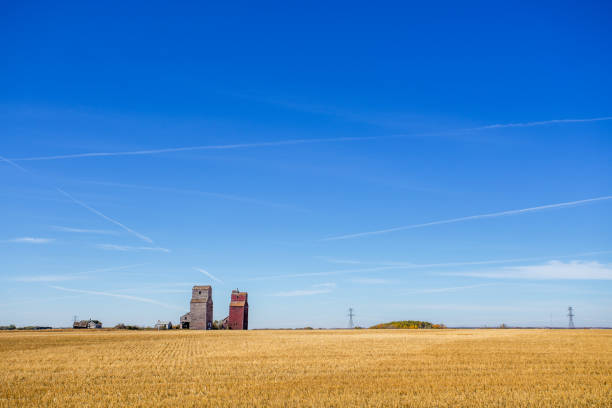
column 551, row 324
column 571, row 315
column 351, row 315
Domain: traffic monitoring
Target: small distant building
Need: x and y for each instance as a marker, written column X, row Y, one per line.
column 94, row 324
column 163, row 325
column 87, row 324
column 200, row 314
column 239, row 311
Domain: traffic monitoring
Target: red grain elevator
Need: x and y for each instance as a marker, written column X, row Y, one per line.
column 239, row 311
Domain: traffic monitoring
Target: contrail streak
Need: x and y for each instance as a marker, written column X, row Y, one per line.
column 195, row 192
column 12, row 163
column 488, row 262
column 327, row 273
column 82, row 204
column 400, row 266
column 83, row 230
column 541, row 123
column 41, row 300
column 67, row 277
column 452, row 289
column 291, row 141
column 93, row 210
column 210, row 275
column 192, row 148
column 471, row 217
column 126, row 248
column 136, row 298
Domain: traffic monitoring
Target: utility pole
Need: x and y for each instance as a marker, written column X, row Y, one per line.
column 571, row 315
column 551, row 321
column 351, row 315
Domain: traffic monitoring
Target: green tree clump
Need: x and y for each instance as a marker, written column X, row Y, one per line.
column 217, row 325
column 408, row 324
column 122, row 326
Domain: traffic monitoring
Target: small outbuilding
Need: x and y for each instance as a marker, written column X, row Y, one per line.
column 87, row 324
column 163, row 325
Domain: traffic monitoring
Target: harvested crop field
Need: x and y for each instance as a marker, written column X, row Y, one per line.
column 419, row 368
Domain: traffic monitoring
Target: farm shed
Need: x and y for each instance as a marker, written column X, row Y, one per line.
column 87, row 324
column 163, row 325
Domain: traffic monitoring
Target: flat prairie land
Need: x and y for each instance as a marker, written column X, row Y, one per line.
column 327, row 368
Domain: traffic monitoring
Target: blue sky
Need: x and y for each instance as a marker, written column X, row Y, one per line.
column 448, row 163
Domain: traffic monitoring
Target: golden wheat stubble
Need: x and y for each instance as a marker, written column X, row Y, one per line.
column 418, row 368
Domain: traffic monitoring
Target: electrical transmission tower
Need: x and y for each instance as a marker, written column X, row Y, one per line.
column 351, row 315
column 571, row 315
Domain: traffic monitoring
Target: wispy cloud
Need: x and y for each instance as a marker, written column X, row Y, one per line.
column 383, row 119
column 221, row 196
column 69, row 277
column 372, row 281
column 210, row 275
column 126, row 248
column 327, row 273
column 542, row 123
column 50, row 278
column 470, row 218
column 117, row 295
column 40, row 300
column 481, row 308
column 451, row 289
column 31, row 240
column 83, row 230
column 12, row 163
column 280, row 142
column 573, row 270
column 386, row 119
column 186, row 287
column 328, row 285
column 317, row 289
column 93, row 210
column 183, row 291
column 397, row 264
column 410, row 266
column 340, row 261
column 82, row 204
column 304, row 292
column 194, row 148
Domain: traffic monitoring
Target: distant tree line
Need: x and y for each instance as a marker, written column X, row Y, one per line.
column 122, row 326
column 408, row 324
column 13, row 327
